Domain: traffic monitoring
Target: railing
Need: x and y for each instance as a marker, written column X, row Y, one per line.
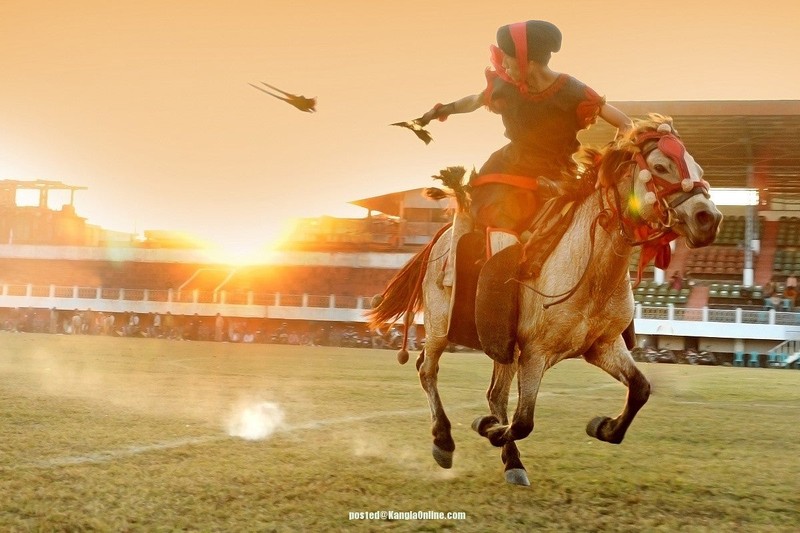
column 785, row 354
column 663, row 320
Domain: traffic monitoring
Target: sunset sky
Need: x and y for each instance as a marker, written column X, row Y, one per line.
column 147, row 103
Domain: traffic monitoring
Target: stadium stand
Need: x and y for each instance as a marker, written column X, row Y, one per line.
column 119, row 274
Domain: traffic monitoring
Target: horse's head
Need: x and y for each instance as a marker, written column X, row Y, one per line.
column 665, row 188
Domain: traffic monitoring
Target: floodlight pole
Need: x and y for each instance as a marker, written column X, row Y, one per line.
column 750, row 232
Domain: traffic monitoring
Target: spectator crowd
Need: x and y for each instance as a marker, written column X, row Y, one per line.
column 216, row 328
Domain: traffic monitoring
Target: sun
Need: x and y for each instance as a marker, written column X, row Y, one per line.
column 247, row 248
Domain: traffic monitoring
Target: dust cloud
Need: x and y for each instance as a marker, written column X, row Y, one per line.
column 255, row 421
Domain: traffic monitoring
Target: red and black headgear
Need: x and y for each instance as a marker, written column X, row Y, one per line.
column 534, row 40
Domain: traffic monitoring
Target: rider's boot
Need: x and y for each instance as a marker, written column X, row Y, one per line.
column 496, row 303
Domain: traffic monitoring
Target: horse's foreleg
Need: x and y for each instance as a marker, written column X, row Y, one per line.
column 529, row 378
column 428, row 367
column 497, row 396
column 617, row 361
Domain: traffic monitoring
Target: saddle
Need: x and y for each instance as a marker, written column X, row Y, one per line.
column 485, row 298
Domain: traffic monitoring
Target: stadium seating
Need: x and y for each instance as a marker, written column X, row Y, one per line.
column 715, row 263
column 788, row 232
column 786, row 262
column 734, row 295
column 118, row 274
column 732, row 231
column 319, row 280
column 653, row 294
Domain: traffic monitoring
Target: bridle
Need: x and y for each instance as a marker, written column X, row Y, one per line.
column 663, row 195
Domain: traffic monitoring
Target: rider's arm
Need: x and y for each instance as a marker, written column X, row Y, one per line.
column 616, row 118
column 468, row 104
column 619, row 120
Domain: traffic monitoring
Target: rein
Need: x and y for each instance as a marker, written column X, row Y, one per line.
column 564, row 296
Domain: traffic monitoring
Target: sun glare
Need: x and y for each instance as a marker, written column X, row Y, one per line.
column 248, row 249
column 237, row 254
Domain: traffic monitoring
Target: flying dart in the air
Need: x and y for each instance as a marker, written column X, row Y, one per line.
column 302, row 103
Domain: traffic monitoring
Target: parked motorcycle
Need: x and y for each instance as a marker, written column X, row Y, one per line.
column 645, row 354
column 352, row 339
column 693, row 357
column 666, row 356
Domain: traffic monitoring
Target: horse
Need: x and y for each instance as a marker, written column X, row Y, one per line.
column 642, row 189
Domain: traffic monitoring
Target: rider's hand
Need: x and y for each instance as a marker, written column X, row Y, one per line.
column 436, row 112
column 427, row 117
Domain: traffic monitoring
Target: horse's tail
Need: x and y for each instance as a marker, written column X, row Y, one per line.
column 403, row 294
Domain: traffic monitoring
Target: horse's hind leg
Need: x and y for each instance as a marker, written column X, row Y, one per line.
column 616, row 360
column 497, row 395
column 428, row 368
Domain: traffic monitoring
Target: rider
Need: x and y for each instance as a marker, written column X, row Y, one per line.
column 542, row 111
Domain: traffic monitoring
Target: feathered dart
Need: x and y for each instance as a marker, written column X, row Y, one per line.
column 307, row 105
column 418, row 129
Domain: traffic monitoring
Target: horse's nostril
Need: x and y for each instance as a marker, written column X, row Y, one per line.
column 704, row 219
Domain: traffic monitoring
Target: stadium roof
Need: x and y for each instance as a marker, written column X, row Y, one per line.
column 727, row 138
column 387, row 203
column 390, row 204
column 39, row 184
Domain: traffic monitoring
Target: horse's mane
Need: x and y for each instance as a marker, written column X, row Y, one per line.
column 604, row 163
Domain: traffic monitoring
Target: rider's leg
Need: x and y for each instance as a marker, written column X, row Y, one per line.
column 496, row 301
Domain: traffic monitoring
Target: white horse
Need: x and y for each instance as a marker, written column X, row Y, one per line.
column 651, row 191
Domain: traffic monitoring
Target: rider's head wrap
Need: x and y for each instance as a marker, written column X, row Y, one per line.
column 534, row 40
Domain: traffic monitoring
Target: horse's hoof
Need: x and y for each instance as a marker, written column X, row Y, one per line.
column 402, row 357
column 442, row 457
column 594, row 425
column 483, row 423
column 517, row 476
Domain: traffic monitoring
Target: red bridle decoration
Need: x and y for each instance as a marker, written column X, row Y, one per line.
column 656, row 241
column 674, row 149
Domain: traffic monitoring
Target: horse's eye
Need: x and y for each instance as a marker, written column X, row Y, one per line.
column 661, row 169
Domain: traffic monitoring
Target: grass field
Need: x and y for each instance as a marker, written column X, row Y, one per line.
column 116, row 434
